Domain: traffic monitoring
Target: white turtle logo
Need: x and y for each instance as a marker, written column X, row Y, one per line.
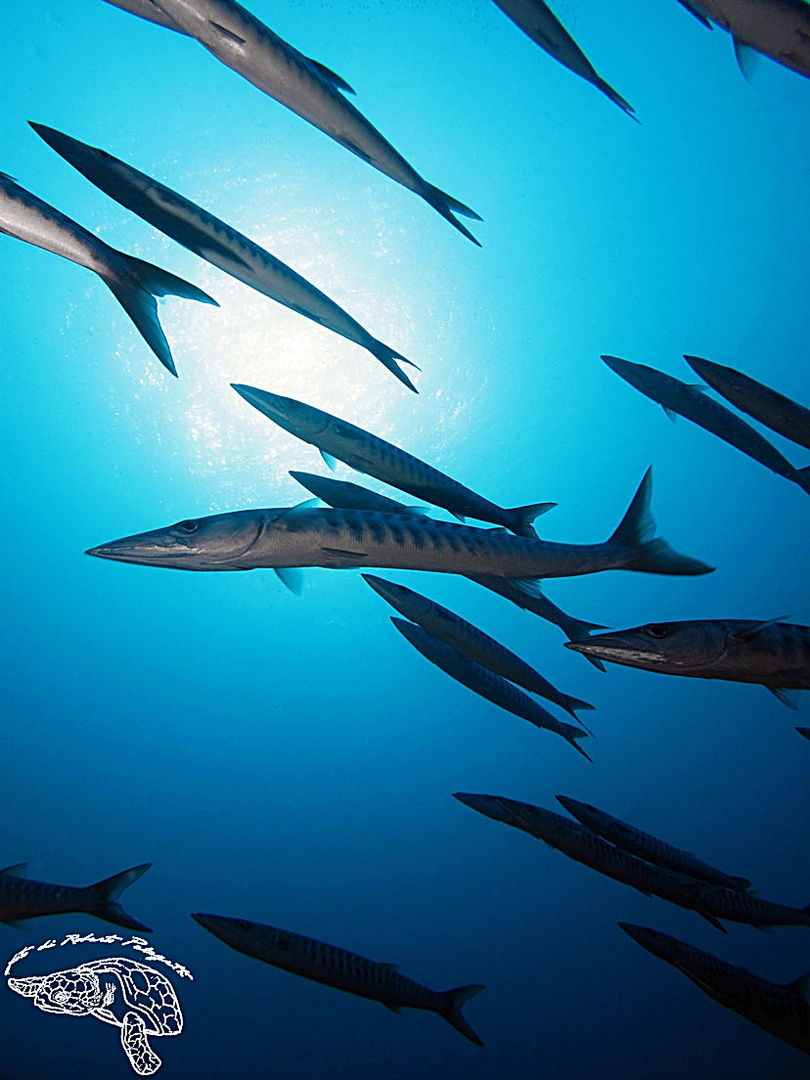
column 151, row 1004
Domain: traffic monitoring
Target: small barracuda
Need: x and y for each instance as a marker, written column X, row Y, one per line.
column 539, row 22
column 711, row 901
column 781, row 414
column 133, row 282
column 773, row 654
column 778, row 28
column 22, row 898
column 471, row 642
column 526, row 594
column 344, row 539
column 216, row 242
column 244, row 44
column 645, row 846
column 690, row 401
column 332, row 966
column 486, row 683
column 780, row 1009
column 336, row 438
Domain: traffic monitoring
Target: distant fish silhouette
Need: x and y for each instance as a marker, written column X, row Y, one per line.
column 778, row 28
column 539, row 22
column 780, row 1009
column 21, row 898
column 133, row 282
column 216, row 241
column 332, row 966
column 690, row 401
column 779, row 413
column 772, row 653
column 243, row 43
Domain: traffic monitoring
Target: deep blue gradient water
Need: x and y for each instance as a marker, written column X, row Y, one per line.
column 291, row 760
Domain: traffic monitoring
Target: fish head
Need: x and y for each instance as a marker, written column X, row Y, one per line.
column 407, row 602
column 300, row 419
column 673, row 648
column 96, row 164
column 72, row 992
column 216, row 542
column 655, row 942
column 240, row 934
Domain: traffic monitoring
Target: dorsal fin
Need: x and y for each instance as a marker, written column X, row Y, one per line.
column 331, row 76
column 748, row 633
column 14, row 871
column 291, row 517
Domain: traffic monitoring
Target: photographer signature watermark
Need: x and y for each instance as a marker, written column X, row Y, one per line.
column 149, row 1006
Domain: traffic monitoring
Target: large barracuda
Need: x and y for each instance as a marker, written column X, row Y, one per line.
column 781, row 414
column 711, row 901
column 539, row 22
column 336, row 438
column 216, row 241
column 485, row 683
column 244, row 44
column 781, row 1009
column 133, row 282
column 345, row 539
column 21, row 898
column 525, row 594
column 471, row 642
column 773, row 654
column 690, row 401
column 778, row 28
column 333, row 966
column 646, row 846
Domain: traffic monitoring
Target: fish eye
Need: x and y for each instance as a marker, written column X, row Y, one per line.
column 656, row 630
column 188, row 526
column 60, row 996
column 241, row 924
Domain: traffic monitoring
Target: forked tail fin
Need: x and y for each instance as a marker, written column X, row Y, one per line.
column 105, row 894
column 136, row 294
column 617, row 98
column 454, row 1000
column 448, row 207
column 804, row 478
column 649, row 553
column 571, row 734
column 525, row 515
column 388, row 358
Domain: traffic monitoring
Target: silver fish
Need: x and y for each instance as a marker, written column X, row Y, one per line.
column 486, row 683
column 713, row 902
column 774, row 410
column 690, row 401
column 539, row 22
column 777, row 28
column 780, row 1009
column 244, row 44
column 772, row 653
column 471, row 642
column 336, row 438
column 133, row 282
column 645, row 846
column 526, row 594
column 343, row 539
column 22, row 898
column 217, row 242
column 332, row 966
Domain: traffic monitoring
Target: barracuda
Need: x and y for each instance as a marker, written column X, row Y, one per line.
column 244, row 44
column 333, row 966
column 713, row 902
column 344, row 539
column 471, row 642
column 780, row 1009
column 539, row 22
column 778, row 28
column 133, row 282
column 21, row 898
column 217, row 242
column 781, row 414
column 646, row 846
column 691, row 402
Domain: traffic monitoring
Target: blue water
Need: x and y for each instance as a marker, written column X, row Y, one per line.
column 291, row 760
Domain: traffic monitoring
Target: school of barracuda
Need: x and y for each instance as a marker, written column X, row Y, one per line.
column 360, row 529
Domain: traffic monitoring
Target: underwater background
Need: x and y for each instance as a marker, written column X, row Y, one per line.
column 290, row 760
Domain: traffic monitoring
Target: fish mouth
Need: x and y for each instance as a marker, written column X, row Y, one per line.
column 619, row 650
column 137, row 550
column 281, row 410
